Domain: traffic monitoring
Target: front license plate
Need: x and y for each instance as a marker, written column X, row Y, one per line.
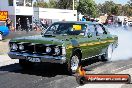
column 34, row 59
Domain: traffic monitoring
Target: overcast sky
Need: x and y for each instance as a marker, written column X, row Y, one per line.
column 116, row 1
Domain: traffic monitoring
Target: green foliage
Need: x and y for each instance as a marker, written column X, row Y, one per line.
column 67, row 4
column 110, row 7
column 130, row 3
column 107, row 6
column 52, row 4
column 114, row 10
column 87, row 7
column 41, row 4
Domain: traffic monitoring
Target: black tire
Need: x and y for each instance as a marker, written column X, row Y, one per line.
column 104, row 58
column 81, row 80
column 1, row 37
column 68, row 65
column 25, row 64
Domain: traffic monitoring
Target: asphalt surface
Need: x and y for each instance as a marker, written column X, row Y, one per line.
column 47, row 76
column 54, row 76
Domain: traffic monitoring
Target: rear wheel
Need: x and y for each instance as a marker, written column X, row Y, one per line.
column 108, row 54
column 25, row 64
column 1, row 37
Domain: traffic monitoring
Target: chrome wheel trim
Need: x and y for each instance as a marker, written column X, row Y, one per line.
column 0, row 36
column 74, row 63
column 110, row 51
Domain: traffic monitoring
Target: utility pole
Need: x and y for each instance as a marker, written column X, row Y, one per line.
column 73, row 4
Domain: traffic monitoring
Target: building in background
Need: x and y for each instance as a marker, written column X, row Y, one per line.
column 23, row 9
column 55, row 14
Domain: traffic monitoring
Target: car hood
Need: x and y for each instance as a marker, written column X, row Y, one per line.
column 56, row 40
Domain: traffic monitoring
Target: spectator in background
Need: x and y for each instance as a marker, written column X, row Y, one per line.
column 83, row 18
column 125, row 24
column 87, row 18
column 18, row 24
column 28, row 25
column 8, row 23
column 43, row 23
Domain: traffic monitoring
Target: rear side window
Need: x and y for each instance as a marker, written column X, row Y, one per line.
column 100, row 30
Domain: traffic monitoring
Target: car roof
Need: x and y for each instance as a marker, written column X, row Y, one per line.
column 78, row 22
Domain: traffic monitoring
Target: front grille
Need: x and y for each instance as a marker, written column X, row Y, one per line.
column 33, row 48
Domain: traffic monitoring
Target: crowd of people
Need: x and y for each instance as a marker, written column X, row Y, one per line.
column 44, row 23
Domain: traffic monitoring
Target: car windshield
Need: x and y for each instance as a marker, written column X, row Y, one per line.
column 66, row 29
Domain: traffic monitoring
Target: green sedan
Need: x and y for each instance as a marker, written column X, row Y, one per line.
column 66, row 43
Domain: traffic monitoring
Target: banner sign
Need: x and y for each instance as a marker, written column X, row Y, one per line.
column 83, row 77
column 3, row 15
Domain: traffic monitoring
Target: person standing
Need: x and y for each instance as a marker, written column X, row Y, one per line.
column 8, row 23
column 18, row 24
column 125, row 24
column 83, row 18
column 28, row 25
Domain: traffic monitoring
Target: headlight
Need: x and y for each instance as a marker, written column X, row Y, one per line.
column 14, row 46
column 21, row 47
column 57, row 50
column 48, row 49
column 63, row 51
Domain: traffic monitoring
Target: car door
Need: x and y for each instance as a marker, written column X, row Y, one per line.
column 88, row 42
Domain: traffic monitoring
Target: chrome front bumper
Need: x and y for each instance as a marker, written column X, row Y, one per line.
column 45, row 58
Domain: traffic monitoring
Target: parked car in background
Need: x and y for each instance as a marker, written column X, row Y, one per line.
column 66, row 43
column 129, row 23
column 4, row 31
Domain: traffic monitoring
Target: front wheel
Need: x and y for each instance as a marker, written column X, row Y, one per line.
column 74, row 63
column 25, row 64
column 1, row 37
column 108, row 54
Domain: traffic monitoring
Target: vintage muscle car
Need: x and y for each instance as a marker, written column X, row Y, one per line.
column 4, row 31
column 66, row 43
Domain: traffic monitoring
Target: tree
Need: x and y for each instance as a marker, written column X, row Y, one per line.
column 67, row 4
column 130, row 3
column 52, row 4
column 107, row 6
column 87, row 7
column 110, row 7
column 114, row 10
column 41, row 4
